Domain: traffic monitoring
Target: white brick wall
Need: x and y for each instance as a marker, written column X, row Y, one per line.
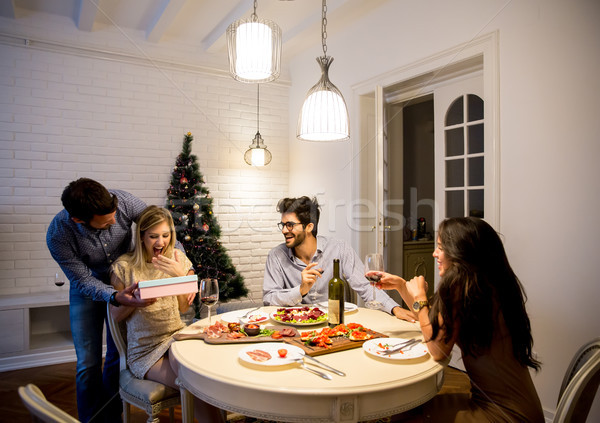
column 63, row 117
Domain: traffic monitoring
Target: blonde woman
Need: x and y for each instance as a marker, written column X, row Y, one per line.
column 150, row 329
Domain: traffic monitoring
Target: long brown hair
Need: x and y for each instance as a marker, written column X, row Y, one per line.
column 478, row 286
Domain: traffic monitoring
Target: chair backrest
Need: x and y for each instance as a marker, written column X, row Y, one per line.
column 576, row 400
column 118, row 330
column 39, row 407
column 579, row 359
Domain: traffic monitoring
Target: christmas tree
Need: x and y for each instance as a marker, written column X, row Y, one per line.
column 197, row 229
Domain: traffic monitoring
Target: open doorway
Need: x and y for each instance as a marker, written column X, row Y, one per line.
column 411, row 139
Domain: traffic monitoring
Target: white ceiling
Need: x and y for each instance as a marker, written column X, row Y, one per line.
column 199, row 23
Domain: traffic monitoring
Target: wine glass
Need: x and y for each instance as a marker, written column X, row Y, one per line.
column 374, row 262
column 59, row 279
column 209, row 294
column 313, row 294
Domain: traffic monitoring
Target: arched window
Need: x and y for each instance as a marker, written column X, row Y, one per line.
column 464, row 157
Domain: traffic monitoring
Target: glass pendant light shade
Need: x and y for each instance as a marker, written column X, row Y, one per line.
column 254, row 50
column 257, row 154
column 324, row 115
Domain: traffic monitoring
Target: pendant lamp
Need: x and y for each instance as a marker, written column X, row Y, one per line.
column 324, row 115
column 254, row 48
column 257, row 154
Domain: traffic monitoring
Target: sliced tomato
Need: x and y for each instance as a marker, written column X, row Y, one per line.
column 321, row 341
column 328, row 332
column 354, row 326
column 340, row 329
column 358, row 335
column 282, row 353
column 305, row 336
column 276, row 335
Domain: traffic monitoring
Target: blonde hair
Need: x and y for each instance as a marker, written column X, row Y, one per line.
column 150, row 217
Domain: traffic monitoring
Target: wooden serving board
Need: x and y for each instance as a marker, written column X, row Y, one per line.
column 223, row 339
column 339, row 343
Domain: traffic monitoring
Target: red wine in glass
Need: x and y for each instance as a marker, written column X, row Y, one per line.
column 374, row 262
column 59, row 280
column 374, row 279
column 209, row 301
column 209, row 294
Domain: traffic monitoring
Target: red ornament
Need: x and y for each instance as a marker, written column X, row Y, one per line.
column 205, row 227
column 183, row 180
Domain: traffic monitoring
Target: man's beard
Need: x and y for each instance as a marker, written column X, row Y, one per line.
column 297, row 240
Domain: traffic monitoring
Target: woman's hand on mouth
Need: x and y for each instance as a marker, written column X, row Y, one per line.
column 172, row 267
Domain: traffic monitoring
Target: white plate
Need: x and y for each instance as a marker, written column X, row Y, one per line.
column 372, row 347
column 256, row 317
column 299, row 324
column 271, row 348
column 348, row 307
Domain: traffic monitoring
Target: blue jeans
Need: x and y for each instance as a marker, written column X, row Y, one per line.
column 97, row 390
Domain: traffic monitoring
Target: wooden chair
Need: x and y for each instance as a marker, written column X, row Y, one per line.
column 148, row 395
column 580, row 384
column 40, row 408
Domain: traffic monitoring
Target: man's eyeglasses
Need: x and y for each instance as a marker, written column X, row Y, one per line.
column 288, row 225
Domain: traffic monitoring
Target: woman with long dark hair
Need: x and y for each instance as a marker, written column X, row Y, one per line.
column 480, row 306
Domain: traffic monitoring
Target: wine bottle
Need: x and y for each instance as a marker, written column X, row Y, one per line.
column 336, row 305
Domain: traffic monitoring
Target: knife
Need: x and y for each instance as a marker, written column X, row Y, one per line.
column 328, row 367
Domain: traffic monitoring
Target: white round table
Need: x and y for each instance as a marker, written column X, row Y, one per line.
column 372, row 388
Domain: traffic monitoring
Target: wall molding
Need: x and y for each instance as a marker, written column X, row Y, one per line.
column 114, row 56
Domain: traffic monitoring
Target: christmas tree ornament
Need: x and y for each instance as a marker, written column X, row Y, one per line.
column 205, row 227
column 196, row 207
column 183, row 180
column 187, row 238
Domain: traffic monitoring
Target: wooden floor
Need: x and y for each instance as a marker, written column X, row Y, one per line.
column 57, row 382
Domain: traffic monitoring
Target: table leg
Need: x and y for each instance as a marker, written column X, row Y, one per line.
column 187, row 405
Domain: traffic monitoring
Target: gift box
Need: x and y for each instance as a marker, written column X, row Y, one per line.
column 168, row 286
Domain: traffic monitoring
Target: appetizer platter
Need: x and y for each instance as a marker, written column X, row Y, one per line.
column 234, row 333
column 327, row 340
column 270, row 354
column 300, row 316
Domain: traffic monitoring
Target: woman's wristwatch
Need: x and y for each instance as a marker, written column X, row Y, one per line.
column 418, row 305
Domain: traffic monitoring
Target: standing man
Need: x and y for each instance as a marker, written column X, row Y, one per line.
column 305, row 260
column 91, row 232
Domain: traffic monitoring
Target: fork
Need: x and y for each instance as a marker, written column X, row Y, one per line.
column 300, row 361
column 401, row 346
column 248, row 313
